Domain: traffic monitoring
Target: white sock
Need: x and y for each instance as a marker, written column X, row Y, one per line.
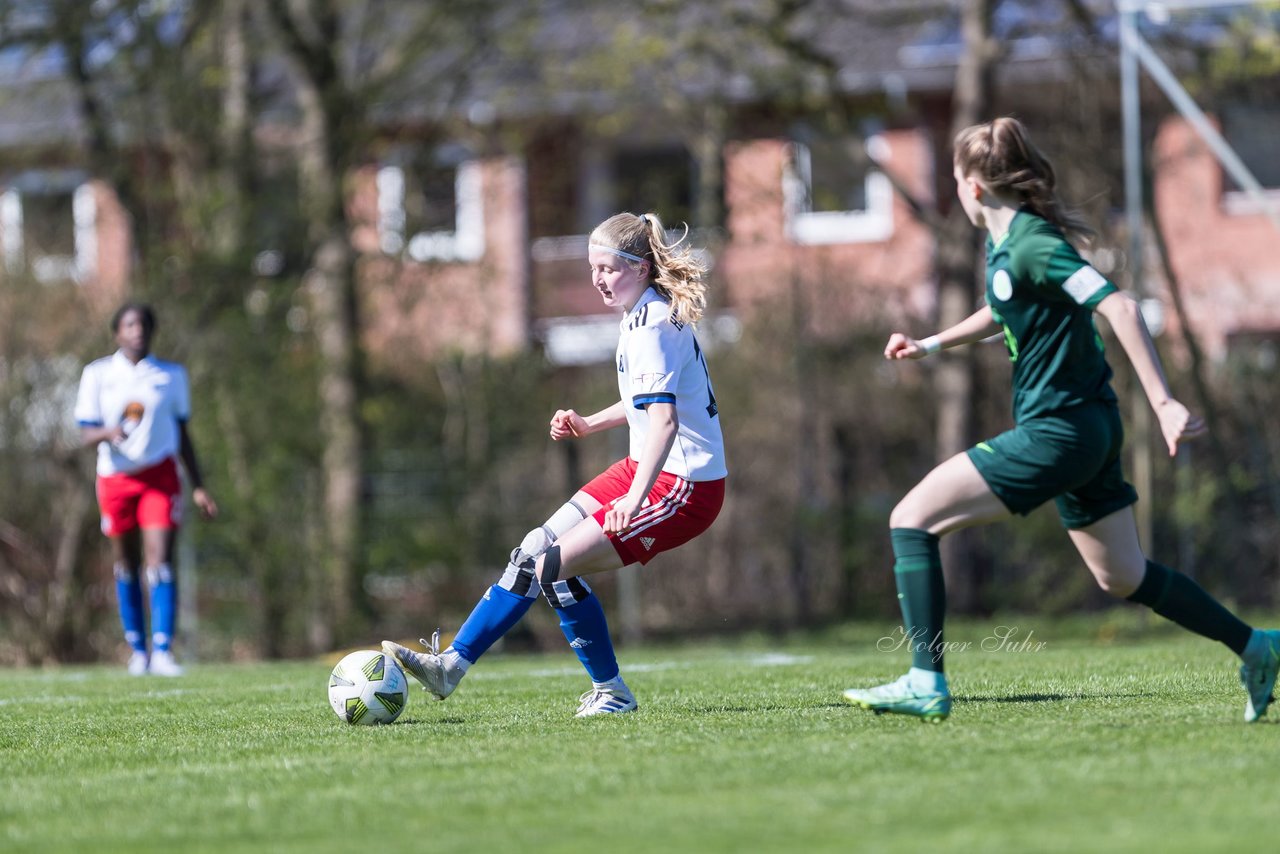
column 454, row 663
column 928, row 680
column 614, row 683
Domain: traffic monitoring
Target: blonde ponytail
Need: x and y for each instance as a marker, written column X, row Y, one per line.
column 677, row 271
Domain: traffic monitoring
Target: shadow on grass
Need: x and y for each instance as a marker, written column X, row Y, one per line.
column 1046, row 698
column 431, row 722
column 736, row 710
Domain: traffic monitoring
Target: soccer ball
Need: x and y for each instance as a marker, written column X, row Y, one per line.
column 368, row 688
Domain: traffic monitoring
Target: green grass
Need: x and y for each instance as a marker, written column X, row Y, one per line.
column 1099, row 741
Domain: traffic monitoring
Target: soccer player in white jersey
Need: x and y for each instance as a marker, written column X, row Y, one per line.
column 135, row 407
column 668, row 490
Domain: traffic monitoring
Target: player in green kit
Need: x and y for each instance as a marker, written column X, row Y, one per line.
column 1068, row 436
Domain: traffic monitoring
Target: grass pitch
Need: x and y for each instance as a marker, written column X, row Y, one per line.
column 1130, row 743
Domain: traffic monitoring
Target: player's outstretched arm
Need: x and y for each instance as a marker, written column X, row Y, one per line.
column 975, row 327
column 1177, row 423
column 568, row 424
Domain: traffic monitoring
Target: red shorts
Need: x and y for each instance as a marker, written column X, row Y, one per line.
column 151, row 498
column 676, row 511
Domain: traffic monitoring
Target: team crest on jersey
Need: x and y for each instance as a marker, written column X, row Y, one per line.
column 647, row 542
column 648, row 380
column 1002, row 285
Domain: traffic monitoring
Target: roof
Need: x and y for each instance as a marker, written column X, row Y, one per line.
column 574, row 57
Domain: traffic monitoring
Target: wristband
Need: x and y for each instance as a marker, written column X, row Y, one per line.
column 930, row 345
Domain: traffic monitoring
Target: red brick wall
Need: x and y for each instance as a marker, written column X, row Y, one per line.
column 413, row 312
column 109, row 286
column 1226, row 262
column 842, row 283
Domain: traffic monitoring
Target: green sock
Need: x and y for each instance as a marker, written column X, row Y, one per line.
column 922, row 594
column 1175, row 597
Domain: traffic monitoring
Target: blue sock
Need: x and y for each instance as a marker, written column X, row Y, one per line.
column 164, row 605
column 584, row 626
column 493, row 616
column 129, row 596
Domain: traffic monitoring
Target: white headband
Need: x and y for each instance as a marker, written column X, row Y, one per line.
column 615, row 251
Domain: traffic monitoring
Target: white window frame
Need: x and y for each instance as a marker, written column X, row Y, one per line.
column 464, row 243
column 81, row 265
column 1244, row 203
column 818, row 228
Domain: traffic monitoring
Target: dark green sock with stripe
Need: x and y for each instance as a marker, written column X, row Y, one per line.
column 922, row 594
column 1175, row 597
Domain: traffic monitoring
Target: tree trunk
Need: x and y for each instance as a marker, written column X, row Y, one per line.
column 327, row 108
column 333, row 304
column 74, row 506
column 957, row 263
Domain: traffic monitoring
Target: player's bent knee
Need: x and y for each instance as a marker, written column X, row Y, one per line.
column 520, row 575
column 160, row 573
column 536, row 542
column 549, row 570
column 562, row 594
column 1119, row 586
column 905, row 515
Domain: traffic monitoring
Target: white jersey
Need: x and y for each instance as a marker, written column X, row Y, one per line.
column 149, row 398
column 659, row 361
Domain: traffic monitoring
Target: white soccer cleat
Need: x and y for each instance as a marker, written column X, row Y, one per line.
column 163, row 664
column 614, row 700
column 903, row 697
column 427, row 667
column 138, row 663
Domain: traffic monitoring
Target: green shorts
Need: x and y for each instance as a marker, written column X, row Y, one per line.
column 1072, row 455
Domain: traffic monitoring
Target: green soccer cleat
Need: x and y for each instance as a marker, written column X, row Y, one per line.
column 901, row 698
column 1260, row 679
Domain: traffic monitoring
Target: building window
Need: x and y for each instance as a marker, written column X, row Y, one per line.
column 431, row 208
column 654, row 179
column 48, row 227
column 830, row 197
column 1250, row 129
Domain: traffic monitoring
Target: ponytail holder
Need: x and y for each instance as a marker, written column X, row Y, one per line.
column 644, row 220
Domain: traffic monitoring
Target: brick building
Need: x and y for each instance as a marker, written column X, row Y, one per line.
column 465, row 250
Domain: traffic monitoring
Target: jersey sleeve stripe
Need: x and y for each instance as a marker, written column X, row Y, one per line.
column 91, row 423
column 1084, row 284
column 640, row 401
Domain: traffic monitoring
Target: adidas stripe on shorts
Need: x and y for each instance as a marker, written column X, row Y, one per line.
column 676, row 511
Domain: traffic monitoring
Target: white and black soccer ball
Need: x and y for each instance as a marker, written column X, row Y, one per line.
column 368, row 687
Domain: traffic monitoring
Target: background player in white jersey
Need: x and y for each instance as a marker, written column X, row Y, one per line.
column 135, row 407
column 667, row 490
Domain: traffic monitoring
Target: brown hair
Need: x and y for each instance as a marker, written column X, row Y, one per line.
column 677, row 271
column 1001, row 156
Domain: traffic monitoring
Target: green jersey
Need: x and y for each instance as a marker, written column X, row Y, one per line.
column 1044, row 294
